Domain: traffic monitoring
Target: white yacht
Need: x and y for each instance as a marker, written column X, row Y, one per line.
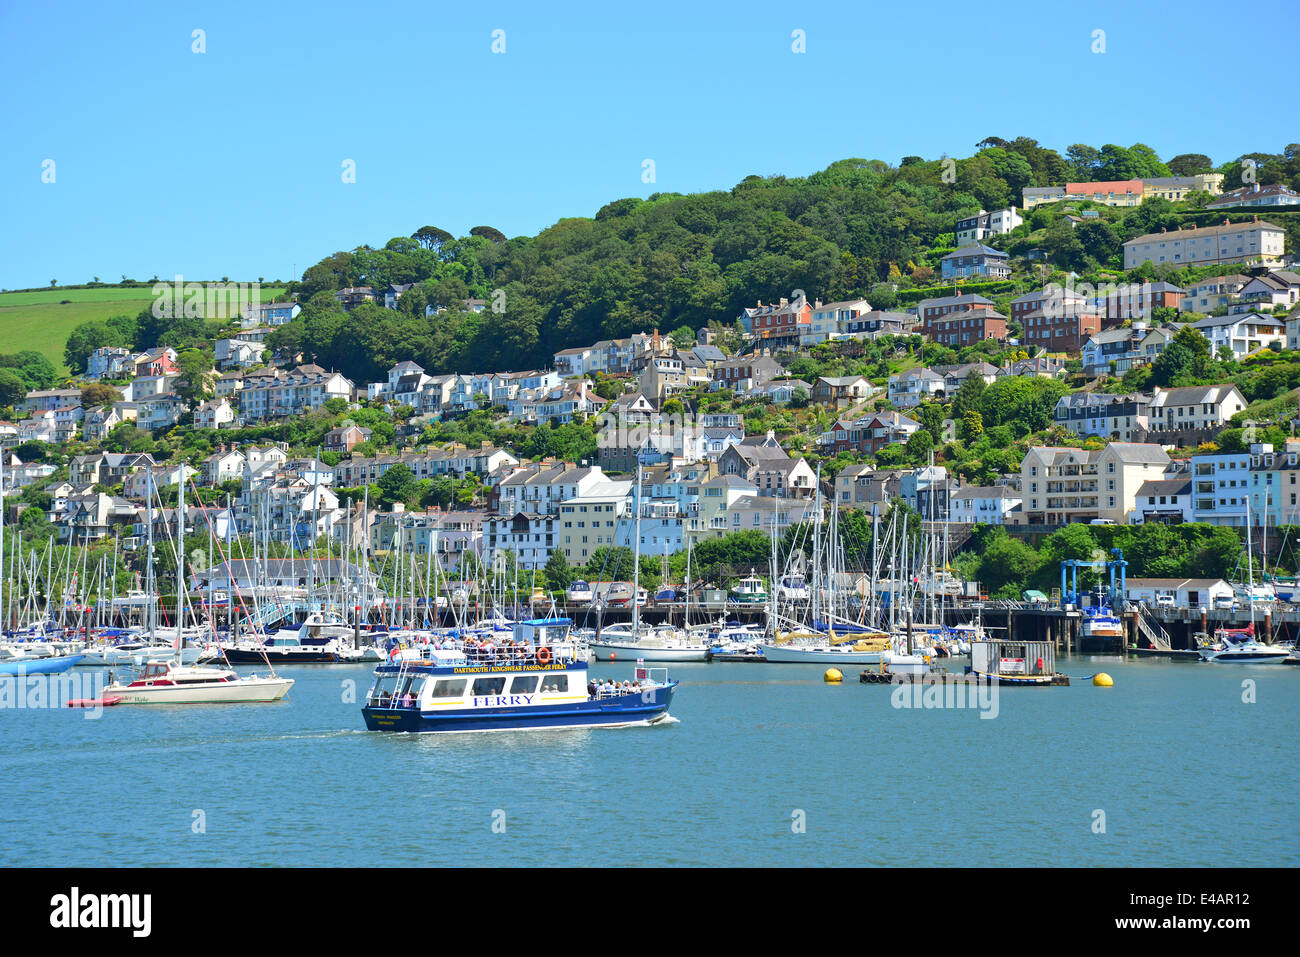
column 1241, row 647
column 665, row 643
column 165, row 682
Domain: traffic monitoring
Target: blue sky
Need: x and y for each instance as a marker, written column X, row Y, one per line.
column 229, row 162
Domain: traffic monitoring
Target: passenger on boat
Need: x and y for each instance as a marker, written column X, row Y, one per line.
column 591, row 689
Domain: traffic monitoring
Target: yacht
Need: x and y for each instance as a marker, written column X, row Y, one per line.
column 16, row 663
column 664, row 643
column 165, row 682
column 578, row 593
column 856, row 648
column 792, row 588
column 1239, row 646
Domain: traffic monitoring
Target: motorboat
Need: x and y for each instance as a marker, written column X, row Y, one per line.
column 165, row 682
column 792, row 588
column 749, row 591
column 578, row 593
column 1240, row 646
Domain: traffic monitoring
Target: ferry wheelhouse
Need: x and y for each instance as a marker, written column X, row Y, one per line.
column 535, row 679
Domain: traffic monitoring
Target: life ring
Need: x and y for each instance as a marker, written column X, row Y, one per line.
column 543, row 656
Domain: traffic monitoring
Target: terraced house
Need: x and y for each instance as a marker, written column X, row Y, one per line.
column 306, row 388
column 1253, row 242
column 1117, row 417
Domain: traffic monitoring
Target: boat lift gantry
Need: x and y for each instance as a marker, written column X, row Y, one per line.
column 1116, row 563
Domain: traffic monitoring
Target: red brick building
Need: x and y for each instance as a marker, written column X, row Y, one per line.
column 781, row 323
column 967, row 327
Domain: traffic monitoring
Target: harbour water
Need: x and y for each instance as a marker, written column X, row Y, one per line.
column 765, row 766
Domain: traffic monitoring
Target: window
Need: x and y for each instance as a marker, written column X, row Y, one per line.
column 489, row 686
column 523, row 684
column 449, row 688
column 555, row 684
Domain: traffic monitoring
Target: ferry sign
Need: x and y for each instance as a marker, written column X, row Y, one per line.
column 502, row 700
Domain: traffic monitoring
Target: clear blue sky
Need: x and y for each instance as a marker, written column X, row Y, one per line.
column 229, row 162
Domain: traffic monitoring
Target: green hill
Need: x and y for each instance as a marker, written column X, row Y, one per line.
column 41, row 319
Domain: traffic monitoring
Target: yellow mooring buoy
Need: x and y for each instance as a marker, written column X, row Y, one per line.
column 1102, row 680
column 833, row 676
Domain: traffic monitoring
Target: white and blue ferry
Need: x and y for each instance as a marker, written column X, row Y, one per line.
column 530, row 680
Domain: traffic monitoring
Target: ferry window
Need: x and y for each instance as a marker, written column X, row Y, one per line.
column 555, row 683
column 449, row 688
column 487, row 686
column 524, row 684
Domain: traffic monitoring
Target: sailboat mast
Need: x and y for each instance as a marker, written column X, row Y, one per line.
column 636, row 561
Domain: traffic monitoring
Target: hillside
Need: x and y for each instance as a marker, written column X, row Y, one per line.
column 858, row 228
column 42, row 319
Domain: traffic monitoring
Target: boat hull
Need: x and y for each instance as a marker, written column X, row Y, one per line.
column 789, row 655
column 257, row 656
column 228, row 692
column 632, row 651
column 1231, row 658
column 39, row 666
column 624, row 711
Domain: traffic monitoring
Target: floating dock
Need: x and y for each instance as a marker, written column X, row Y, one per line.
column 952, row 678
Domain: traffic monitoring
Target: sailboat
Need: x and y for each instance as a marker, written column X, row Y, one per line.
column 664, row 643
column 1239, row 645
column 171, row 682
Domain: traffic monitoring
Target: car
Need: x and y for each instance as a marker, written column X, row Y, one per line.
column 1225, row 602
column 1165, row 601
column 1102, row 521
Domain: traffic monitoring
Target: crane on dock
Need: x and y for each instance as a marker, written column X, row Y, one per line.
column 1115, row 565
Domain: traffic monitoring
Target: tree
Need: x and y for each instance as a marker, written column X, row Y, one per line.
column 919, row 446
column 1189, row 164
column 194, row 376
column 1185, row 359
column 95, row 395
column 972, row 426
column 12, row 388
column 489, row 233
column 32, row 367
column 558, row 573
column 1008, row 563
column 397, row 485
column 85, row 338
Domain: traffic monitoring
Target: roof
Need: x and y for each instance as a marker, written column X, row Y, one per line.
column 1203, row 231
column 1140, row 453
column 976, row 249
column 1193, row 394
column 1178, row 486
column 1175, row 583
column 979, row 492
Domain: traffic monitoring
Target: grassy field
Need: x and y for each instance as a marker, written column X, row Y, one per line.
column 41, row 319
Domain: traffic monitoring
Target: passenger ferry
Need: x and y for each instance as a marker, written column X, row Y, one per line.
column 533, row 680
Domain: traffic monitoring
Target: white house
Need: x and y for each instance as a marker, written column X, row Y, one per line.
column 993, row 505
column 1194, row 407
column 1242, row 333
